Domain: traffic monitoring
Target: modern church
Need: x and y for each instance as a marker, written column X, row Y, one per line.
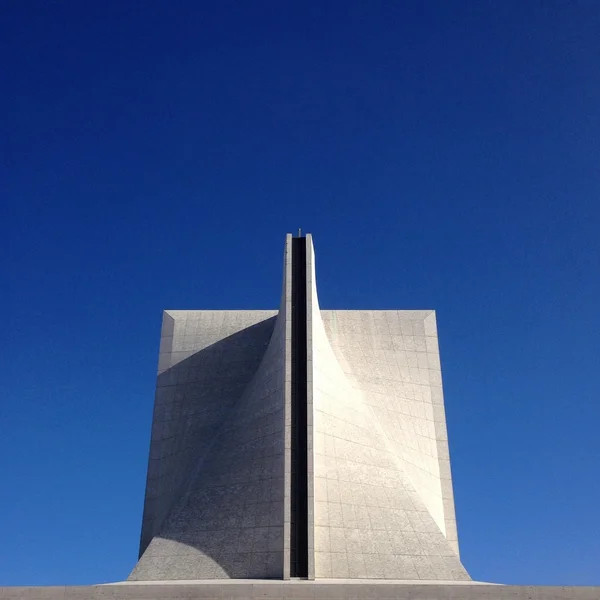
column 299, row 453
column 299, row 443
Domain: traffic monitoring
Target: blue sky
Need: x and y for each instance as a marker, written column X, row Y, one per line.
column 443, row 154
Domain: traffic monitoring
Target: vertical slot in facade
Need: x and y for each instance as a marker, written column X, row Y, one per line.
column 299, row 455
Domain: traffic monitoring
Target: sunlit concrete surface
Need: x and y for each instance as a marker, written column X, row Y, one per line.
column 380, row 503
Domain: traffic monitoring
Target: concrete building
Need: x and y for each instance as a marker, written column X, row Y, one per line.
column 299, row 443
column 299, row 453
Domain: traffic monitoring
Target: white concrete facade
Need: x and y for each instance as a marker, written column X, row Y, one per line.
column 379, row 505
column 380, row 502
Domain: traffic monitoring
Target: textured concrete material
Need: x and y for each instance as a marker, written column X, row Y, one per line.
column 301, row 590
column 378, row 508
column 379, row 486
column 233, row 495
column 380, row 503
column 392, row 358
column 206, row 360
column 215, row 503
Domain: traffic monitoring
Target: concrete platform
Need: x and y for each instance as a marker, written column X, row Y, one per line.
column 301, row 590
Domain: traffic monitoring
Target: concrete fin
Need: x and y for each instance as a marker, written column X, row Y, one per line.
column 370, row 519
column 225, row 515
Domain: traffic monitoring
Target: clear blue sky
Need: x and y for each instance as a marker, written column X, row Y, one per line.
column 443, row 154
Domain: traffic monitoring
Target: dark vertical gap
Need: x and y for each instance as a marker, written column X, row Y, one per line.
column 299, row 455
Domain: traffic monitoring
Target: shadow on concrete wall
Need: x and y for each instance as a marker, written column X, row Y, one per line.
column 204, row 489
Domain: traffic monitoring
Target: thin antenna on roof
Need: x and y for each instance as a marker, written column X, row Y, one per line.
column 299, row 232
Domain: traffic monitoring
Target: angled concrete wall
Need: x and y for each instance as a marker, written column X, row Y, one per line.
column 215, row 505
column 378, row 507
column 392, row 357
column 206, row 361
